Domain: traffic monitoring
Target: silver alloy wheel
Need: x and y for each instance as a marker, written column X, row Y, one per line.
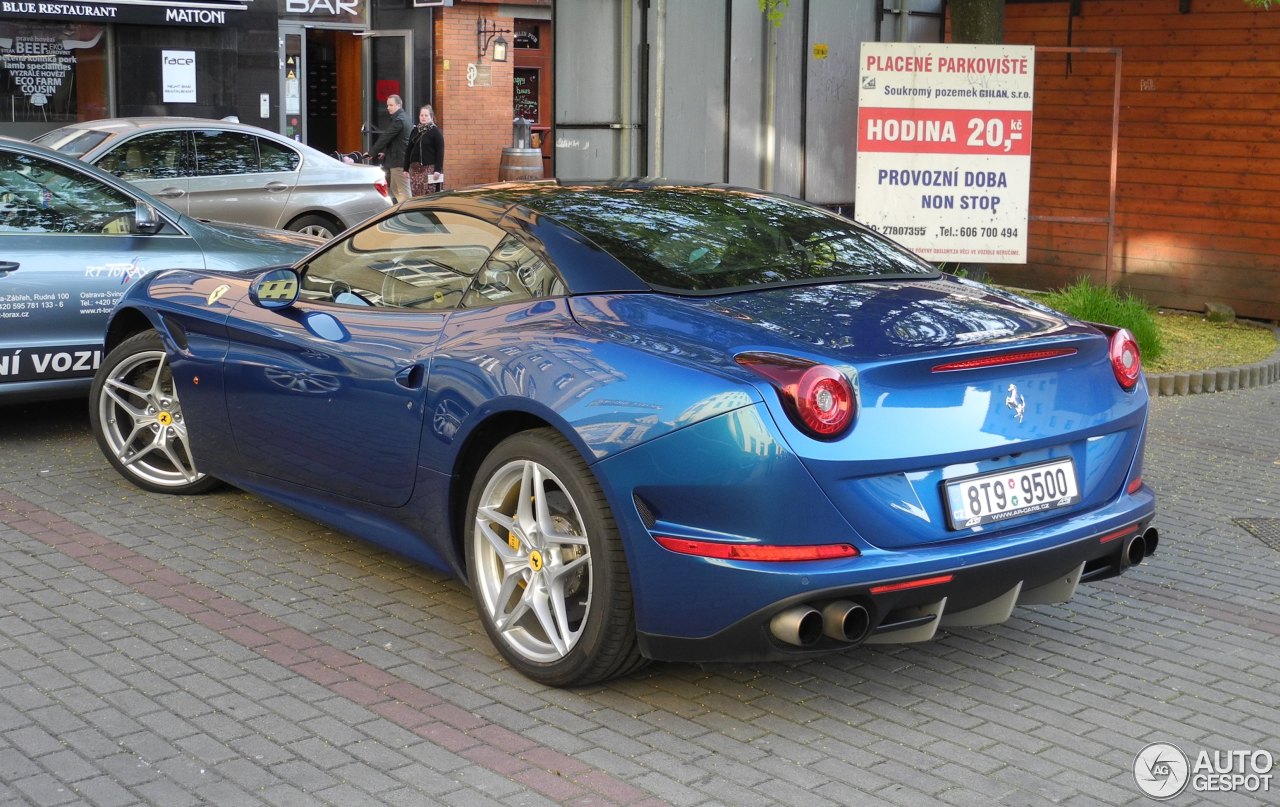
column 533, row 562
column 318, row 230
column 141, row 421
column 317, row 225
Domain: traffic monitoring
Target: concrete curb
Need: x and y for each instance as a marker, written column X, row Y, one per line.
column 1222, row 379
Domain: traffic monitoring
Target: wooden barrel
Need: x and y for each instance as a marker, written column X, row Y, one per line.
column 520, row 164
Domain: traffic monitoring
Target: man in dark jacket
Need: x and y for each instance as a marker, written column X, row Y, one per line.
column 391, row 146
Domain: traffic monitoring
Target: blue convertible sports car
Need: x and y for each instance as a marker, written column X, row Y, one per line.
column 650, row 421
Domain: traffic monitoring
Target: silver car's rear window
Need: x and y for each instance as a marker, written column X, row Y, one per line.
column 72, row 141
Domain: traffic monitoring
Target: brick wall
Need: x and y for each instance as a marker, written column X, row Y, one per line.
column 476, row 119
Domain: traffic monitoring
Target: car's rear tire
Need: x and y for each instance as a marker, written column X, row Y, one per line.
column 138, row 421
column 317, row 225
column 546, row 565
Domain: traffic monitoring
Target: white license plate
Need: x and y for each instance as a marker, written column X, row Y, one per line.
column 1010, row 493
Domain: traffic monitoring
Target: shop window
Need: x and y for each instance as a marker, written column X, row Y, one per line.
column 140, row 75
column 528, row 34
column 52, row 74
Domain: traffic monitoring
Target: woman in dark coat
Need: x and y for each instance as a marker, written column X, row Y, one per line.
column 425, row 153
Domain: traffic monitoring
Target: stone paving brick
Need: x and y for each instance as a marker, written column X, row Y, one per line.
column 719, row 768
column 907, row 796
column 668, row 790
column 44, row 789
column 497, row 786
column 103, row 792
column 32, row 741
column 1101, row 792
column 177, row 794
column 784, row 792
column 960, row 756
column 69, row 766
column 964, row 797
column 128, row 768
column 467, row 798
column 303, row 771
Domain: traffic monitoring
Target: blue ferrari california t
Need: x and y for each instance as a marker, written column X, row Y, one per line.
column 650, row 421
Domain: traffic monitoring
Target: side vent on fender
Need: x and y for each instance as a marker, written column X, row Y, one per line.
column 645, row 511
column 178, row 333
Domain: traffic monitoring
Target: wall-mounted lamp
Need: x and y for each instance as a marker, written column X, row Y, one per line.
column 485, row 34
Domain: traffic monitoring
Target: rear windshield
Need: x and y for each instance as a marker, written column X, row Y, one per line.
column 710, row 240
column 73, row 141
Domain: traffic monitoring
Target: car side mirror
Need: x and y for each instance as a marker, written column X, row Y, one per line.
column 275, row 288
column 146, row 220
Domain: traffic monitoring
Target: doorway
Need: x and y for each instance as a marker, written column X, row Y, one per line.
column 321, row 87
column 387, row 66
column 532, row 83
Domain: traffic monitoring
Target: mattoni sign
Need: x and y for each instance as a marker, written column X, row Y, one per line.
column 944, row 148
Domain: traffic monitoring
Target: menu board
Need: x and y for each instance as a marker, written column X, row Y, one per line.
column 526, row 92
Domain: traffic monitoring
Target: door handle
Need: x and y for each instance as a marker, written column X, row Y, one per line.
column 411, row 377
column 8, row 266
column 277, row 187
column 169, row 193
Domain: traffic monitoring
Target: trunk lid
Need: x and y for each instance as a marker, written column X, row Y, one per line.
column 1040, row 402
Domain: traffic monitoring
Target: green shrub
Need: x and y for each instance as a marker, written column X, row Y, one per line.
column 1084, row 300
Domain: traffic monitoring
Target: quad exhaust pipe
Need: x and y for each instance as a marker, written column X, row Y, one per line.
column 1140, row 546
column 847, row 621
column 803, row 625
column 800, row 625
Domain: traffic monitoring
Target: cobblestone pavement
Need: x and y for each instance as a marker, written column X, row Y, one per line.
column 218, row 650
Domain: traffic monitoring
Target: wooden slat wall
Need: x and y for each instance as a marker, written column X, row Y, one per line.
column 1198, row 191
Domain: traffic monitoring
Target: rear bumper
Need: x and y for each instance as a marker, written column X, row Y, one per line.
column 731, row 479
column 910, row 609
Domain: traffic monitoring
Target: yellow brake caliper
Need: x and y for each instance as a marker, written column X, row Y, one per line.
column 514, row 543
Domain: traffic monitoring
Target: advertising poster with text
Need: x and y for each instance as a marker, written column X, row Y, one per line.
column 944, row 148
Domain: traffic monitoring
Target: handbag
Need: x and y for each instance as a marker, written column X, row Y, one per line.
column 419, row 168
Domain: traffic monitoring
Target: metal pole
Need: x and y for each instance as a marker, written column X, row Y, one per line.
column 626, row 62
column 770, row 103
column 660, row 78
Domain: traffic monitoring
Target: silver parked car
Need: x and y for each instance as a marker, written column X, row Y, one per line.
column 220, row 169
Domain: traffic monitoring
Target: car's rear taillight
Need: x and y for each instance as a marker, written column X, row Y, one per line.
column 772, row 553
column 381, row 186
column 1126, row 362
column 819, row 399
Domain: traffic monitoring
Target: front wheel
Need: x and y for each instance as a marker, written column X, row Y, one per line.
column 546, row 565
column 138, row 421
